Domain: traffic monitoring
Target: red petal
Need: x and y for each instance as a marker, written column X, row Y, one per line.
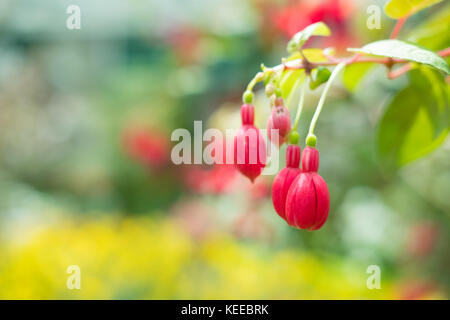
column 310, row 159
column 249, row 151
column 293, row 154
column 301, row 202
column 280, row 188
column 247, row 114
column 322, row 201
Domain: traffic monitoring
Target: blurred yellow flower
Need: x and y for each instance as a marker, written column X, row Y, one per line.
column 140, row 258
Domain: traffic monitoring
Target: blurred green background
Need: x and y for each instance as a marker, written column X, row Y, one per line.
column 86, row 177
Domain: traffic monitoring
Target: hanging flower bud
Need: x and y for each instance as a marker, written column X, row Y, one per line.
column 284, row 179
column 249, row 145
column 308, row 200
column 280, row 119
column 247, row 114
column 274, row 135
column 310, row 160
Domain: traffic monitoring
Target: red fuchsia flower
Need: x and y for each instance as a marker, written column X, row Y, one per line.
column 308, row 200
column 249, row 145
column 284, row 179
column 150, row 147
column 280, row 120
column 274, row 136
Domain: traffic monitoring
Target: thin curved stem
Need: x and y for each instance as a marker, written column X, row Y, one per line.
column 257, row 78
column 398, row 27
column 444, row 53
column 301, row 102
column 392, row 74
column 333, row 75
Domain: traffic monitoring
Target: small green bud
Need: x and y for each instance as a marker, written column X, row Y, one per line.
column 247, row 97
column 270, row 90
column 278, row 102
column 278, row 92
column 311, row 140
column 294, row 136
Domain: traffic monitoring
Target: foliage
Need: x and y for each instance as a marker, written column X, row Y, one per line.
column 416, row 120
column 400, row 8
column 300, row 38
column 402, row 50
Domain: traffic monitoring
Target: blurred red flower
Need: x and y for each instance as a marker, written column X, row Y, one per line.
column 296, row 15
column 251, row 225
column 417, row 290
column 194, row 217
column 184, row 41
column 260, row 189
column 215, row 180
column 422, row 238
column 149, row 147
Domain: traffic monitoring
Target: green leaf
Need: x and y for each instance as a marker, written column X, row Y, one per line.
column 436, row 96
column 319, row 76
column 312, row 54
column 397, row 9
column 299, row 39
column 434, row 33
column 296, row 85
column 289, row 81
column 354, row 73
column 417, row 120
column 401, row 50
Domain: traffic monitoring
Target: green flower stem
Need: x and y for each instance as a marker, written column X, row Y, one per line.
column 257, row 78
column 300, row 105
column 247, row 97
column 333, row 75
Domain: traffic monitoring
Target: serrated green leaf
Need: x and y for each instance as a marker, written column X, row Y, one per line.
column 319, row 76
column 401, row 50
column 398, row 9
column 416, row 122
column 299, row 39
column 354, row 73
